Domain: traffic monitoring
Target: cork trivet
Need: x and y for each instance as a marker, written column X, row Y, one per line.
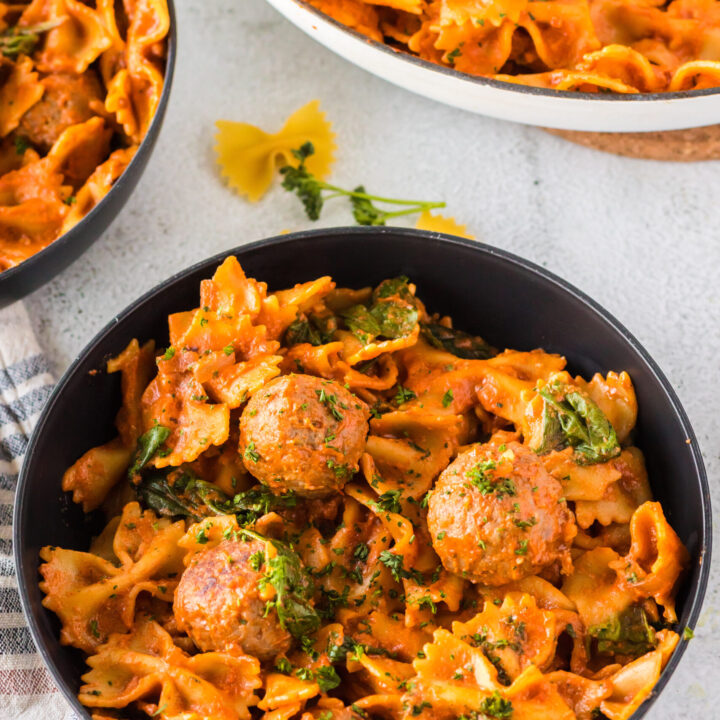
column 677, row 145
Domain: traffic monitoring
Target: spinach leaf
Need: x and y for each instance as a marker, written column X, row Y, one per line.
column 252, row 504
column 628, row 633
column 395, row 287
column 147, row 445
column 457, row 342
column 385, row 319
column 192, row 497
column 361, row 321
column 582, row 423
column 395, row 320
column 311, row 329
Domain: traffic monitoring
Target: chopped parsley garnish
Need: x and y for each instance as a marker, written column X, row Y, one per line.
column 403, row 394
column 389, row 501
column 447, row 398
column 250, row 452
column 395, row 563
column 330, row 402
column 361, row 551
column 481, row 478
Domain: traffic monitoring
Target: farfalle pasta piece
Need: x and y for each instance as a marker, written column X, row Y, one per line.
column 633, row 683
column 581, row 694
column 439, row 223
column 149, row 24
column 93, row 597
column 281, row 308
column 455, row 678
column 696, row 75
column 515, row 634
column 620, row 499
column 95, row 473
column 287, row 694
column 177, row 401
column 98, row 185
column 78, row 39
column 615, row 395
column 356, row 14
column 32, row 210
column 146, row 666
column 594, row 587
column 562, row 33
column 656, row 559
column 249, row 157
column 20, row 89
column 80, row 149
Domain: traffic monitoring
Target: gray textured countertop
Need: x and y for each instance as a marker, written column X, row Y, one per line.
column 639, row 237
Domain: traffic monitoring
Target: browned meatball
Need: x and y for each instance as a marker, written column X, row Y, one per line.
column 218, row 604
column 303, row 433
column 496, row 515
column 65, row 102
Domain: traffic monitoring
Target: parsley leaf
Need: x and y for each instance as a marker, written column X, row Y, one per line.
column 309, row 190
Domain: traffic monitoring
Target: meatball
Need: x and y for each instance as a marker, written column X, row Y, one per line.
column 303, row 433
column 496, row 515
column 65, row 102
column 217, row 603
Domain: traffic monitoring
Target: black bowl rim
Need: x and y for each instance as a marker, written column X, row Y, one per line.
column 696, row 594
column 144, row 148
column 568, row 95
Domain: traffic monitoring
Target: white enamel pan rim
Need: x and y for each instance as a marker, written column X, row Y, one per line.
column 596, row 112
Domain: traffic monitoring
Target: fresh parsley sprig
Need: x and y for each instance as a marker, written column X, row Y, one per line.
column 313, row 194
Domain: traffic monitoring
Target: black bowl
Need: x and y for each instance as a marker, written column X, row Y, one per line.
column 509, row 301
column 38, row 269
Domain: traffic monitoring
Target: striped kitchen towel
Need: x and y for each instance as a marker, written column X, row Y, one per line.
column 27, row 691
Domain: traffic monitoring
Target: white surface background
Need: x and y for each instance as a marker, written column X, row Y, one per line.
column 640, row 237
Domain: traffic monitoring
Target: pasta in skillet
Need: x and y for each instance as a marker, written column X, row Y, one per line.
column 622, row 46
column 328, row 503
column 79, row 85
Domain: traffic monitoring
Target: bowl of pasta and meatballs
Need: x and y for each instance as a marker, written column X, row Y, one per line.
column 598, row 66
column 84, row 89
column 363, row 473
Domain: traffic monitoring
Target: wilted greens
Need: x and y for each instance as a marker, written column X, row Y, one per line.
column 391, row 314
column 457, row 342
column 148, row 445
column 192, row 497
column 628, row 633
column 570, row 417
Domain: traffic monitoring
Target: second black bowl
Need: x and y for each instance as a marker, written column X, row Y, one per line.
column 21, row 280
column 509, row 301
